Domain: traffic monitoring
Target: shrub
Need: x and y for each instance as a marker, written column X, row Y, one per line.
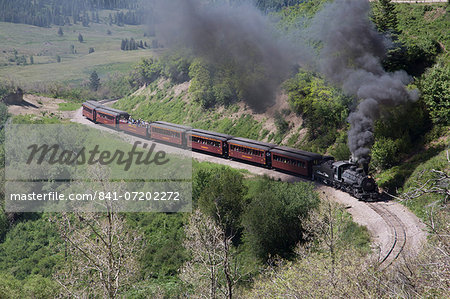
column 384, row 153
column 435, row 87
column 222, row 199
column 273, row 219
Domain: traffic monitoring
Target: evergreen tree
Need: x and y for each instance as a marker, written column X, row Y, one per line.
column 385, row 16
column 123, row 45
column 31, row 59
column 132, row 44
column 91, row 50
column 94, row 81
column 60, row 32
column 80, row 38
column 58, row 58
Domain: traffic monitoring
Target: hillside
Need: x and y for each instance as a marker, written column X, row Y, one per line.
column 163, row 100
column 236, row 70
column 21, row 42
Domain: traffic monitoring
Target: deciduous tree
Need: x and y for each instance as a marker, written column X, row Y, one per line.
column 212, row 271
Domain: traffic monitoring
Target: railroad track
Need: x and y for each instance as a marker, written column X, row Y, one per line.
column 398, row 234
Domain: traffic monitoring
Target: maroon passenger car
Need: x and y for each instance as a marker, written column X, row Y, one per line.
column 89, row 109
column 136, row 129
column 250, row 150
column 207, row 141
column 168, row 132
column 109, row 116
column 294, row 160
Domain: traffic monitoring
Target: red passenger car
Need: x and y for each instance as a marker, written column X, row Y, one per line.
column 250, row 150
column 109, row 116
column 207, row 141
column 170, row 133
column 89, row 109
column 294, row 161
column 134, row 128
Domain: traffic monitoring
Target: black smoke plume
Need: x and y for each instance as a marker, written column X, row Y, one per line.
column 351, row 56
column 237, row 37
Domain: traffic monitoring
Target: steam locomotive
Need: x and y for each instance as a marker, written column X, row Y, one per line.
column 346, row 176
column 343, row 175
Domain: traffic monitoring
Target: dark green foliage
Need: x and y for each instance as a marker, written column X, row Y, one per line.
column 435, row 87
column 94, row 81
column 20, row 60
column 397, row 134
column 385, row 16
column 176, row 67
column 60, row 32
column 131, row 44
column 421, row 176
column 35, row 286
column 422, row 35
column 91, row 50
column 200, row 87
column 385, row 153
column 4, row 224
column 281, row 123
column 270, row 5
column 221, row 196
column 340, row 150
column 3, row 112
column 212, row 86
column 172, row 66
column 273, row 219
column 149, row 70
column 31, row 59
column 80, row 38
column 130, row 17
column 355, row 234
column 171, row 288
column 58, row 58
column 298, row 16
column 4, row 90
column 323, row 108
column 30, row 247
column 163, row 253
column 128, row 44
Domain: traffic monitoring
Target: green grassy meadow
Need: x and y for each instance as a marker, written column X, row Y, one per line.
column 45, row 45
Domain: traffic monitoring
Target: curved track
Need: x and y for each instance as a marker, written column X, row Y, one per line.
column 392, row 227
column 397, row 234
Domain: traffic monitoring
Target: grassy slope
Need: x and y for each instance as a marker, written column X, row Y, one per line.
column 420, row 25
column 161, row 102
column 45, row 44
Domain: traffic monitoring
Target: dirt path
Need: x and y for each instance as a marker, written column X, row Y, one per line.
column 381, row 229
column 41, row 106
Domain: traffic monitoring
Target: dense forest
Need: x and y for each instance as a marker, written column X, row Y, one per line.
column 239, row 241
column 44, row 13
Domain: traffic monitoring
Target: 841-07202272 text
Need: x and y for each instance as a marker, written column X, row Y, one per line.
column 98, row 195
